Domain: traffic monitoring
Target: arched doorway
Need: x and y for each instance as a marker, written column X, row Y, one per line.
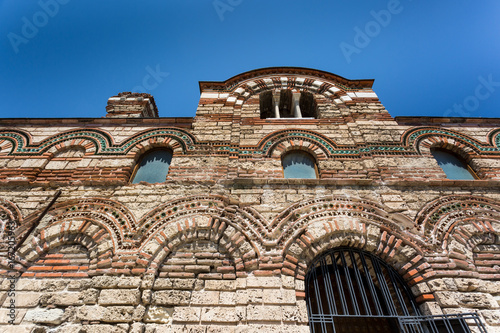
column 349, row 290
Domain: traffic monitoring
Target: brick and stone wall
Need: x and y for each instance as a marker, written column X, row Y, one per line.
column 225, row 243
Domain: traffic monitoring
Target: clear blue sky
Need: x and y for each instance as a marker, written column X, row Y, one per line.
column 66, row 60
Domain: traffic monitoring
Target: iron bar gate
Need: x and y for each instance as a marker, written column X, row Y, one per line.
column 349, row 290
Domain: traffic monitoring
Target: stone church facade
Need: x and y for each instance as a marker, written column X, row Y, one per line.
column 226, row 241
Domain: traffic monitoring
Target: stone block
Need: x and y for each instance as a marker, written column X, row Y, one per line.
column 467, row 300
column 263, row 282
column 227, row 298
column 219, row 315
column 186, row 314
column 45, row 316
column 6, row 315
column 491, row 317
column 182, row 284
column 264, row 313
column 90, row 313
column 137, row 328
column 241, row 296
column 119, row 297
column 446, row 284
column 159, row 314
column 203, row 297
column 255, row 296
column 24, row 299
column 290, row 314
column 88, row 296
column 272, row 296
column 420, row 288
column 224, row 285
column 288, row 281
column 171, row 297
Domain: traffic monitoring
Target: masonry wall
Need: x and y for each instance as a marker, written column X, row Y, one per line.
column 225, row 243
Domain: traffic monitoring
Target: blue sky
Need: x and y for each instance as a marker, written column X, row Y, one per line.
column 65, row 58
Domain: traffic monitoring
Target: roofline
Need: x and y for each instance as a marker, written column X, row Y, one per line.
column 268, row 71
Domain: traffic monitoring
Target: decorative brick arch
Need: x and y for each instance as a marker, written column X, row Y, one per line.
column 111, row 216
column 94, row 237
column 95, row 141
column 12, row 140
column 200, row 227
column 280, row 142
column 179, row 141
column 494, row 138
column 164, row 217
column 276, row 143
column 56, row 262
column 9, row 211
column 328, row 223
column 485, row 262
column 403, row 254
column 92, row 140
column 63, row 147
column 422, row 139
column 11, row 220
column 296, row 218
column 439, row 218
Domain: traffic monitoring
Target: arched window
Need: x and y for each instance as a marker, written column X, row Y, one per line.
column 453, row 166
column 349, row 290
column 299, row 164
column 153, row 167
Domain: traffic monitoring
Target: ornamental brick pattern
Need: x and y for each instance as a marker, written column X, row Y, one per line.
column 225, row 242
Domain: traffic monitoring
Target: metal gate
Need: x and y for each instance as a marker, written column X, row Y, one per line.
column 349, row 290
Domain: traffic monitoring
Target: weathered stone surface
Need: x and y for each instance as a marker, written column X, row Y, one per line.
column 225, row 243
column 119, row 297
column 110, row 314
column 106, row 282
column 88, row 296
column 45, row 316
column 224, row 285
column 25, row 299
column 183, row 284
column 204, row 297
column 219, row 315
column 263, row 282
column 159, row 314
column 264, row 313
column 171, row 297
column 420, row 288
column 137, row 328
column 6, row 315
column 24, row 328
column 492, row 317
column 186, row 314
column 468, row 300
column 442, row 284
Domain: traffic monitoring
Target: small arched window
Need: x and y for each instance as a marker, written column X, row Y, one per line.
column 453, row 165
column 299, row 164
column 153, row 167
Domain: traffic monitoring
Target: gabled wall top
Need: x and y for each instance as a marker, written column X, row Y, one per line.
column 270, row 72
